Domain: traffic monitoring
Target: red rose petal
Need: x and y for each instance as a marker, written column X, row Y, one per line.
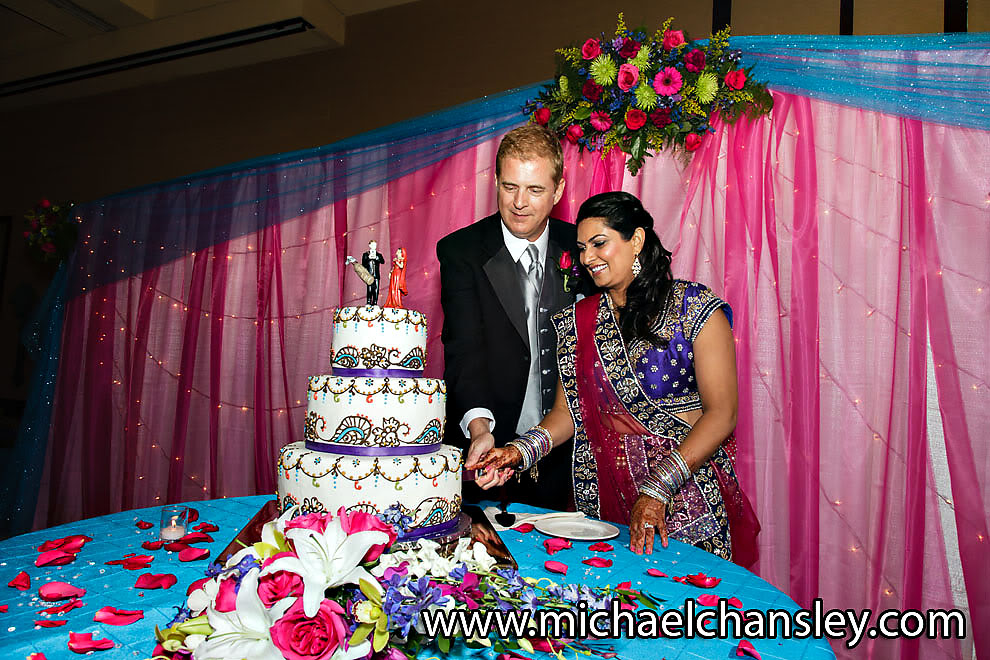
column 207, row 527
column 655, row 572
column 54, row 558
column 196, row 585
column 699, row 580
column 143, row 524
column 598, row 562
column 114, row 617
column 524, row 528
column 601, row 546
column 3, row 609
column 156, row 581
column 37, row 656
column 192, row 554
column 175, row 546
column 51, row 545
column 133, row 562
column 84, row 643
column 59, row 591
column 746, row 648
column 21, row 581
column 624, row 585
column 196, row 537
column 555, row 545
column 50, row 623
column 555, row 567
column 735, row 602
column 193, row 515
column 708, row 600
column 64, row 607
column 74, row 543
column 152, row 545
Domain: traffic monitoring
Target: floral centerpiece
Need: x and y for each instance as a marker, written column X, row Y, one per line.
column 51, row 230
column 327, row 587
column 642, row 93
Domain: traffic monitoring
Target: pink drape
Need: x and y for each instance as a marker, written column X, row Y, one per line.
column 847, row 243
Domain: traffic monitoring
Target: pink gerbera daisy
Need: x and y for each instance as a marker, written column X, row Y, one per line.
column 668, row 82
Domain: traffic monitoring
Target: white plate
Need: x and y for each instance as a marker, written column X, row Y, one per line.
column 577, row 529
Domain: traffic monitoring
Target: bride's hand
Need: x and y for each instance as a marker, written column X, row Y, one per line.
column 496, row 466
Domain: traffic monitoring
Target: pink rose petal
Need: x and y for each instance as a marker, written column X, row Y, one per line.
column 114, row 617
column 598, row 562
column 37, row 656
column 196, row 537
column 152, row 545
column 555, row 567
column 708, row 600
column 525, row 528
column 699, row 580
column 143, row 524
column 555, row 545
column 133, row 562
column 64, row 607
column 601, row 546
column 746, row 648
column 84, row 643
column 55, row 557
column 735, row 602
column 175, row 546
column 156, row 581
column 207, row 527
column 192, row 554
column 3, row 609
column 655, row 572
column 59, row 591
column 22, row 581
column 50, row 623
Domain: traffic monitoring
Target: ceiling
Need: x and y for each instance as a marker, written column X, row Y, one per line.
column 54, row 50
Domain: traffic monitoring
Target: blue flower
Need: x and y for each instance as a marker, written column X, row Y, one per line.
column 459, row 572
column 511, row 576
column 183, row 614
column 582, row 71
column 214, row 569
column 531, row 600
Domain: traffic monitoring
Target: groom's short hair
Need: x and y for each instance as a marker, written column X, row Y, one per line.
column 529, row 142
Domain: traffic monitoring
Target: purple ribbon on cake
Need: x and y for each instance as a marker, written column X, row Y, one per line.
column 433, row 530
column 359, row 450
column 376, row 373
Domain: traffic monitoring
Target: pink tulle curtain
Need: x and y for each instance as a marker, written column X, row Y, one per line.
column 846, row 241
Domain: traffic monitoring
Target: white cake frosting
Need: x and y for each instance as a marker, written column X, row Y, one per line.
column 373, row 337
column 370, row 412
column 374, row 427
column 426, row 487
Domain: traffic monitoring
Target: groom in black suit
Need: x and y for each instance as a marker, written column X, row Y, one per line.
column 499, row 345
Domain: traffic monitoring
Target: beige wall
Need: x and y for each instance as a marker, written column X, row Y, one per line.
column 397, row 63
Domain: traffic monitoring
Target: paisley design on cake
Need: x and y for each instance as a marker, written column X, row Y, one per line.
column 374, row 356
column 431, row 435
column 352, row 430
column 347, row 357
column 370, row 386
column 387, row 435
column 313, row 425
column 414, row 359
column 295, row 456
column 312, row 505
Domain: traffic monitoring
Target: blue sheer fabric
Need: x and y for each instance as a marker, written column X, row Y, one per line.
column 935, row 78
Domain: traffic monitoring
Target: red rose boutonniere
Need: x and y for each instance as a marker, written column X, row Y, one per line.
column 570, row 269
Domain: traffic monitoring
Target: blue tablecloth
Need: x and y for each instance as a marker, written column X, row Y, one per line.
column 116, row 535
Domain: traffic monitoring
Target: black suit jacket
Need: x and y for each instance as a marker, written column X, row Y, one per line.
column 485, row 341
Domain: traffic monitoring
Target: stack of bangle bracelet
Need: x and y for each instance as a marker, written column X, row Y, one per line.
column 666, row 478
column 534, row 444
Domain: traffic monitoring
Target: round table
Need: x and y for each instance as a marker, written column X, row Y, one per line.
column 117, row 534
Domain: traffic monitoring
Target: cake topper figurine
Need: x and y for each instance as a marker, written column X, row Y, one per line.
column 368, row 270
column 397, row 280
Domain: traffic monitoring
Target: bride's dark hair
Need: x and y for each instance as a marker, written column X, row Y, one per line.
column 648, row 292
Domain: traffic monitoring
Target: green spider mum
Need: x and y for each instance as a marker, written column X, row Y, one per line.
column 564, row 88
column 646, row 98
column 642, row 59
column 603, row 70
column 707, row 87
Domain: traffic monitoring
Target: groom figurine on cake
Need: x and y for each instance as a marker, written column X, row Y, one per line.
column 499, row 285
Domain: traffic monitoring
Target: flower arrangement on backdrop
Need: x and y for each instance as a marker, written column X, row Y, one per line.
column 641, row 93
column 327, row 587
column 51, row 230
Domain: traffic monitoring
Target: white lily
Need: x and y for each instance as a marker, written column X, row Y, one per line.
column 326, row 560
column 243, row 633
column 200, row 599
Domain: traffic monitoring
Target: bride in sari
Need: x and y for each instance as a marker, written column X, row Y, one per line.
column 648, row 392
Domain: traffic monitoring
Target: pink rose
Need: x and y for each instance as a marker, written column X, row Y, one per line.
column 591, row 49
column 735, row 79
column 574, row 132
column 600, row 121
column 565, row 260
column 628, row 77
column 45, row 204
column 694, row 61
column 660, row 117
column 314, row 521
column 226, row 600
column 48, row 247
column 300, row 637
column 278, row 585
column 672, row 39
column 629, row 49
column 359, row 521
column 542, row 116
column 692, row 141
column 592, row 90
column 635, row 119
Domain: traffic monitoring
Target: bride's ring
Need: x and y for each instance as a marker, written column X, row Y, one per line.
column 647, row 526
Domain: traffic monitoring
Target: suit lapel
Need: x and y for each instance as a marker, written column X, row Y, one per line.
column 501, row 272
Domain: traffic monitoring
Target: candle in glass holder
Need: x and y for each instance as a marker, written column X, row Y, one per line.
column 173, row 523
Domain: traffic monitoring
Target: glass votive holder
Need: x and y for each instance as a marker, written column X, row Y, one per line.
column 173, row 525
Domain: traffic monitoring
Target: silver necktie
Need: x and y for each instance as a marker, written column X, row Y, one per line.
column 531, row 279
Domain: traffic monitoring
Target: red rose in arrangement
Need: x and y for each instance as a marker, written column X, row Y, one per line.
column 635, row 119
column 542, row 116
column 692, row 141
column 735, row 79
column 591, row 49
column 672, row 39
column 359, row 521
column 629, row 49
column 300, row 637
column 592, row 90
column 574, row 133
column 694, row 61
column 660, row 117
